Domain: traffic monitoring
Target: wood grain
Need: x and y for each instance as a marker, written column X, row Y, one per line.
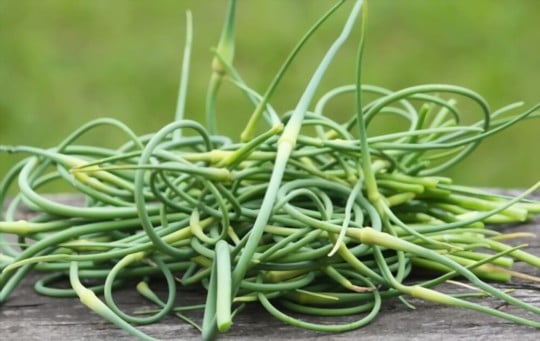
column 29, row 316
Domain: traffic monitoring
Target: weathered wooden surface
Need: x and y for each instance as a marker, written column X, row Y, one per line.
column 28, row 316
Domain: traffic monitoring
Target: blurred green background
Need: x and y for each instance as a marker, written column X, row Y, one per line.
column 64, row 62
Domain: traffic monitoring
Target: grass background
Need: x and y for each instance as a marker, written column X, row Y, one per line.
column 64, row 62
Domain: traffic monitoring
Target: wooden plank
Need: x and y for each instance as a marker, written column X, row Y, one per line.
column 29, row 316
